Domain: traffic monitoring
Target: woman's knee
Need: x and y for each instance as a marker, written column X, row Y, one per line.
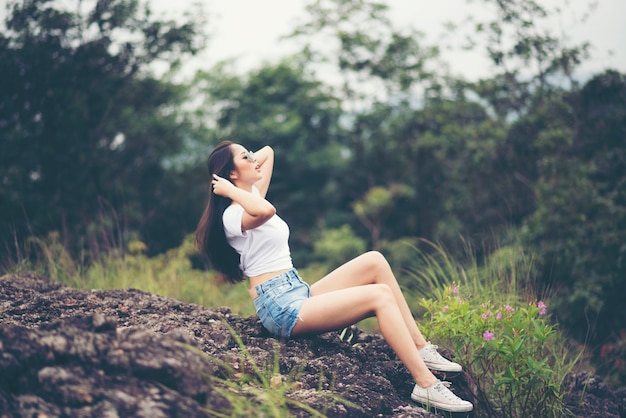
column 376, row 260
column 382, row 294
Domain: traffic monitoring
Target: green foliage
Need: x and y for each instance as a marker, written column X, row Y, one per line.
column 529, row 58
column 499, row 273
column 360, row 42
column 579, row 224
column 53, row 259
column 400, row 254
column 485, row 310
column 373, row 209
column 335, row 246
column 263, row 392
column 84, row 126
column 512, row 357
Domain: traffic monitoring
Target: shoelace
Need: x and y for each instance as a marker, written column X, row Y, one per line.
column 442, row 383
column 439, row 387
column 434, row 349
column 436, row 354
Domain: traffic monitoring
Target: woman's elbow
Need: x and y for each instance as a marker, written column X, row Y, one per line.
column 259, row 217
column 268, row 211
column 264, row 212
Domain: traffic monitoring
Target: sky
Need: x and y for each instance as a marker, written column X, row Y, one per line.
column 249, row 30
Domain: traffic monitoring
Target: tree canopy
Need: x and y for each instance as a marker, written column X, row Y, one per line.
column 84, row 126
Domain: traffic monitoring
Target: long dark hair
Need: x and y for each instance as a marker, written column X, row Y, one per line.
column 210, row 234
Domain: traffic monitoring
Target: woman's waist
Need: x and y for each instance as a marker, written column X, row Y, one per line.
column 262, row 278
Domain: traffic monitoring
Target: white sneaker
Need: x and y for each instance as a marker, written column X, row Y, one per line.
column 435, row 361
column 439, row 396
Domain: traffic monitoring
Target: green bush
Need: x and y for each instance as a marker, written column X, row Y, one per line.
column 513, row 359
column 333, row 247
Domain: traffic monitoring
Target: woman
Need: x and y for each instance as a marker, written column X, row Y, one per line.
column 241, row 235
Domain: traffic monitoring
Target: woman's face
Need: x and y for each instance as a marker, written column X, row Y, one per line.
column 247, row 170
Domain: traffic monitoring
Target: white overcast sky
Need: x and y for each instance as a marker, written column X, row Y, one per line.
column 249, row 30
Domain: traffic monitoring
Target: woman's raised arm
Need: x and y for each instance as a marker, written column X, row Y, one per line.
column 265, row 158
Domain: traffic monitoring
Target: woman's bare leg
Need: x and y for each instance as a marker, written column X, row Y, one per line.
column 336, row 309
column 370, row 268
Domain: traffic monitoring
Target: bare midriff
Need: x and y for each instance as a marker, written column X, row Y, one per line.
column 257, row 280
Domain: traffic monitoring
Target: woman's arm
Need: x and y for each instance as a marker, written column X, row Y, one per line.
column 257, row 209
column 265, row 158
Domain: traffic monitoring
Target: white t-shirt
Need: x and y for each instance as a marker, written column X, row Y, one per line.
column 263, row 249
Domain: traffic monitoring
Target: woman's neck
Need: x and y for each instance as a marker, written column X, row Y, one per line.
column 244, row 186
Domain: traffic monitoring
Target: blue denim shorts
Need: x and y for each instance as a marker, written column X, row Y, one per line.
column 279, row 301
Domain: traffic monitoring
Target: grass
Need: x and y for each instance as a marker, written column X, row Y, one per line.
column 264, row 392
column 169, row 274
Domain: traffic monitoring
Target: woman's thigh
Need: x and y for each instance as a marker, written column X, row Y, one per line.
column 338, row 309
column 362, row 270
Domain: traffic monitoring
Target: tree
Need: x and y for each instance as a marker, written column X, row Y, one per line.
column 579, row 225
column 372, row 58
column 528, row 57
column 84, row 126
column 375, row 206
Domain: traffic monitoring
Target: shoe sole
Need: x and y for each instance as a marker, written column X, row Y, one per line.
column 442, row 368
column 440, row 406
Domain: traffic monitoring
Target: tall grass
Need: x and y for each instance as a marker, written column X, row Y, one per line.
column 506, row 272
column 169, row 274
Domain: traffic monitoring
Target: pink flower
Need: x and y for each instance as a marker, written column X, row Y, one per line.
column 498, row 315
column 508, row 308
column 541, row 306
column 487, row 315
column 445, row 308
column 488, row 335
column 455, row 289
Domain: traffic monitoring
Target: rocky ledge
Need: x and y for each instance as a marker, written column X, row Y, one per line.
column 128, row 353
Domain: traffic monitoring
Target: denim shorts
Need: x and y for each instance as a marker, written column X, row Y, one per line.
column 279, row 301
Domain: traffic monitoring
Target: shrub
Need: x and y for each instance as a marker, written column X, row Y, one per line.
column 513, row 360
column 334, row 246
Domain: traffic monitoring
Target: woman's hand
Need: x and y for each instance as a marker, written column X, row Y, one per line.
column 221, row 186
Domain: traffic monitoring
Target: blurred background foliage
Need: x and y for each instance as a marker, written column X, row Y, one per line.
column 101, row 155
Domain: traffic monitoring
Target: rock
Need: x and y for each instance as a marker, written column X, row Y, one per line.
column 127, row 353
column 588, row 396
